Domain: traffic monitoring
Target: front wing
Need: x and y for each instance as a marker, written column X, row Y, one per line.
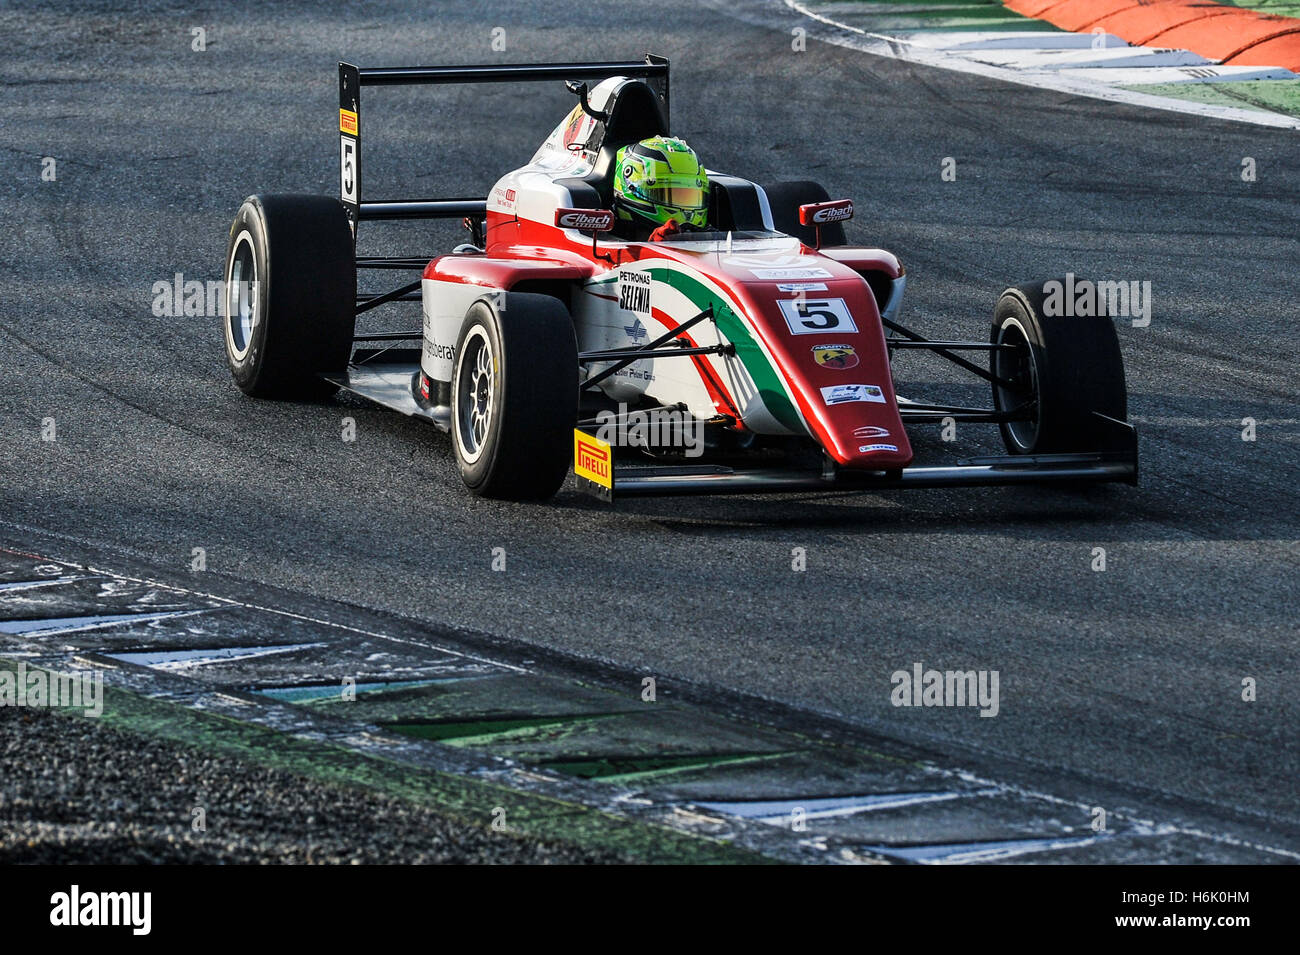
column 596, row 472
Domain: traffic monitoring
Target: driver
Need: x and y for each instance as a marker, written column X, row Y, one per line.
column 660, row 189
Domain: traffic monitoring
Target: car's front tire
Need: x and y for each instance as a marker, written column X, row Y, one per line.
column 1063, row 369
column 289, row 307
column 514, row 396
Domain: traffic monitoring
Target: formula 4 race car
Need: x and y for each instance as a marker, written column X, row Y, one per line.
column 751, row 355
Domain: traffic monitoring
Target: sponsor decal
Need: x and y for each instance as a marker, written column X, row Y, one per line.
column 347, row 122
column 504, row 196
column 781, row 275
column 348, row 188
column 634, row 293
column 811, row 316
column 877, row 447
column 870, row 431
column 802, row 287
column 636, row 331
column 424, row 386
column 592, row 460
column 820, row 213
column 766, row 260
column 589, row 220
column 574, row 127
column 843, row 394
column 837, row 357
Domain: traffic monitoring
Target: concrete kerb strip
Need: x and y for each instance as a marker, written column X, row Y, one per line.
column 463, row 797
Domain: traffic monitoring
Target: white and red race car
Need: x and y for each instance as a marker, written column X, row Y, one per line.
column 754, row 356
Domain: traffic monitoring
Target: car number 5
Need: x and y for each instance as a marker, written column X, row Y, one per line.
column 817, row 316
column 348, row 147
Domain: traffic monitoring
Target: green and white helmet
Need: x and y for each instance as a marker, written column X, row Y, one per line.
column 659, row 179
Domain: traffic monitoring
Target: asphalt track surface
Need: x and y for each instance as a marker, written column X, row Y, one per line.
column 1127, row 680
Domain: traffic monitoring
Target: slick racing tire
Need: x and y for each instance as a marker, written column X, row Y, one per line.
column 288, row 311
column 514, row 396
column 1061, row 368
column 785, row 198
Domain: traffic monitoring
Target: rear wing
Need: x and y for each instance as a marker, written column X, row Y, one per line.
column 653, row 69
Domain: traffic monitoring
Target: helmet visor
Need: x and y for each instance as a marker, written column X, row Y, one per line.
column 680, row 197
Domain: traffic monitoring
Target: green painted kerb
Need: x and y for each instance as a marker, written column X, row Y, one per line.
column 1277, row 96
column 469, row 800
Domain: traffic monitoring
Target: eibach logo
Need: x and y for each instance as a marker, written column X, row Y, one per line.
column 833, row 213
column 595, row 220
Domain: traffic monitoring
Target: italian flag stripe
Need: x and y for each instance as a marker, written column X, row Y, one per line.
column 751, row 354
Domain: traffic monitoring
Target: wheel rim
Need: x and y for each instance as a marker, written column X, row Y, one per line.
column 1017, row 368
column 475, row 393
column 241, row 296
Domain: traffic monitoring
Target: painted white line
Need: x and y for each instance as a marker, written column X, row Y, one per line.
column 966, row 853
column 174, row 661
column 1132, row 57
column 1215, row 73
column 57, row 626
column 778, row 812
column 33, row 584
column 965, row 41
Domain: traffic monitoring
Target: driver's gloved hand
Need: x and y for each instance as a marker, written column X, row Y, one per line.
column 671, row 227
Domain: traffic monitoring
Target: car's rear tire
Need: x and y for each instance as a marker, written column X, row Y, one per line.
column 514, row 396
column 289, row 308
column 785, row 198
column 1069, row 366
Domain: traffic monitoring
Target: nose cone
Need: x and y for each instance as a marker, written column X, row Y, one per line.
column 822, row 327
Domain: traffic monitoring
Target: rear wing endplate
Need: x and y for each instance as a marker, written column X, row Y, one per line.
column 653, row 69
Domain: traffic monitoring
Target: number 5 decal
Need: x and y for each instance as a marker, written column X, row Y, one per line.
column 347, row 164
column 816, row 316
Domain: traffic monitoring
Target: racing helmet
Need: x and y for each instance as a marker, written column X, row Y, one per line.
column 659, row 179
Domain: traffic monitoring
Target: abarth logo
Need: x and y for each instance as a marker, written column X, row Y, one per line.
column 837, row 357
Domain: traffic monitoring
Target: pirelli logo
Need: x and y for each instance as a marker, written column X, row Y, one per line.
column 347, row 122
column 593, row 465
